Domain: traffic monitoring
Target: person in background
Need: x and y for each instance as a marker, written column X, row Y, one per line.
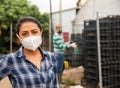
column 30, row 66
column 59, row 48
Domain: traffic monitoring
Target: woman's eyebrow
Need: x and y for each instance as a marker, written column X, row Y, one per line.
column 34, row 29
column 24, row 31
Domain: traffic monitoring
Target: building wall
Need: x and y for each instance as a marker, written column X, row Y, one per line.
column 67, row 17
column 104, row 7
column 88, row 11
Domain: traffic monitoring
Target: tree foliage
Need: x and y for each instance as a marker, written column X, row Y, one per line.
column 10, row 12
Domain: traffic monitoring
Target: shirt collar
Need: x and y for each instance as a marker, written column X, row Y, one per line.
column 20, row 53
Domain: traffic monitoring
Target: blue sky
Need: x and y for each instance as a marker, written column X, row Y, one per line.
column 44, row 4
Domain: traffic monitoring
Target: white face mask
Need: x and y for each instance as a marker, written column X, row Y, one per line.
column 32, row 42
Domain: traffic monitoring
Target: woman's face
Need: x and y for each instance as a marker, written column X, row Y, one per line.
column 29, row 29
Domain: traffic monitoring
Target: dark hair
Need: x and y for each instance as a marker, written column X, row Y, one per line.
column 27, row 19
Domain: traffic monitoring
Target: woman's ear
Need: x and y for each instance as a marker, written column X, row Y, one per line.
column 41, row 32
column 17, row 36
column 18, row 39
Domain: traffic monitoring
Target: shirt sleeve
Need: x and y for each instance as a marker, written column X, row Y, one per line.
column 53, row 61
column 59, row 58
column 4, row 67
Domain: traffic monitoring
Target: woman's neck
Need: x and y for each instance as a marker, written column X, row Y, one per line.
column 30, row 52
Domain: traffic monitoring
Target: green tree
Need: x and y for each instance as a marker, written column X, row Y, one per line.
column 10, row 12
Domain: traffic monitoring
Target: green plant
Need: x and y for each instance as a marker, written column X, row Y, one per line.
column 10, row 12
column 69, row 82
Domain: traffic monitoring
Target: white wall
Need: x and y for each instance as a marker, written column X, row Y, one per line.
column 103, row 7
column 67, row 17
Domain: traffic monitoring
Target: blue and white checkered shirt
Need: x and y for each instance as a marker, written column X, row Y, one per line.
column 23, row 74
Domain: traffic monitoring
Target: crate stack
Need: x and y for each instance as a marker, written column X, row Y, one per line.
column 74, row 55
column 90, row 53
column 114, row 62
column 110, row 52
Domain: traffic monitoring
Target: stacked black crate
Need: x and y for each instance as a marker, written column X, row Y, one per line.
column 77, row 52
column 110, row 51
column 90, row 53
column 106, row 53
column 116, row 51
column 73, row 55
column 68, row 55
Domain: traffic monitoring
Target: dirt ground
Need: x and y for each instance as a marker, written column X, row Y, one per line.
column 5, row 83
column 73, row 74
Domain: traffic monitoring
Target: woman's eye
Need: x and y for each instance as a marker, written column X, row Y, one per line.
column 24, row 34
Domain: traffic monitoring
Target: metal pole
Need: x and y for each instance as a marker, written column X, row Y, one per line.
column 60, row 12
column 49, row 34
column 50, row 28
column 10, row 37
column 99, row 51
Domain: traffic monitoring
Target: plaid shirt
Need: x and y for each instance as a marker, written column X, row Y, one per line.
column 23, row 74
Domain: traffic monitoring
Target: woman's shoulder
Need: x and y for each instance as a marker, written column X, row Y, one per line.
column 8, row 58
column 5, row 56
column 13, row 54
column 51, row 56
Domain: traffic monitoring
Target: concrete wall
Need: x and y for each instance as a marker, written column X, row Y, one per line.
column 67, row 17
column 103, row 7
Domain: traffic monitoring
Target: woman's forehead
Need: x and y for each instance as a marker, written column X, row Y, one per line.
column 29, row 25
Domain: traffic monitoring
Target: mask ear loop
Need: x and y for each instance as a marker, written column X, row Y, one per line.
column 18, row 36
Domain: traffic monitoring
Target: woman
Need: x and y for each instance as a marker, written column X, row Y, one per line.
column 30, row 66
